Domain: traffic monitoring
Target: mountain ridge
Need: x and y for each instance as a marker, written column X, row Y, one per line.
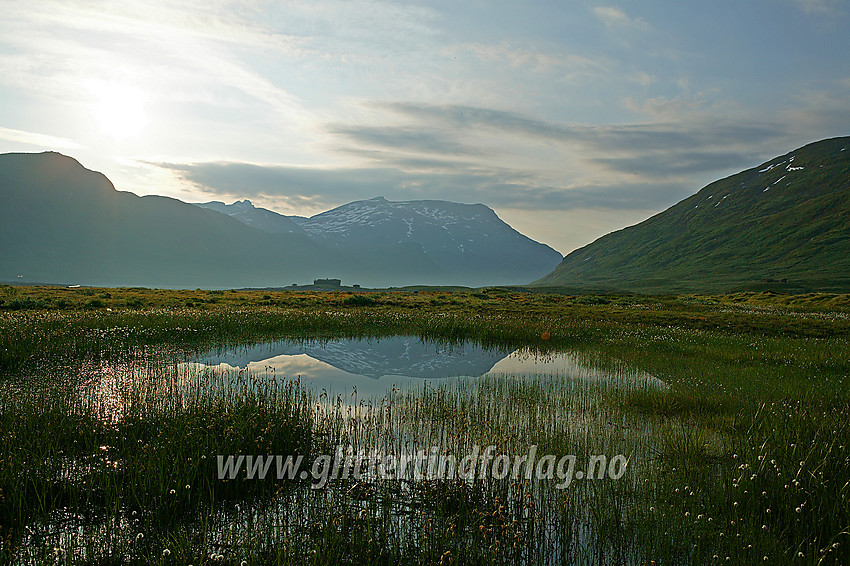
column 782, row 220
column 61, row 222
column 455, row 237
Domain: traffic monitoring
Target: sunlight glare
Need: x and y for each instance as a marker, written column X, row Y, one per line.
column 120, row 110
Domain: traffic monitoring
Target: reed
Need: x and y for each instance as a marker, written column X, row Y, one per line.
column 109, row 439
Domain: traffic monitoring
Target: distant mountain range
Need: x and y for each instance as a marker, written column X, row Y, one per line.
column 782, row 225
column 468, row 244
column 62, row 223
column 406, row 356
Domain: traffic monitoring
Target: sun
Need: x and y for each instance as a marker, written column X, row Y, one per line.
column 120, row 110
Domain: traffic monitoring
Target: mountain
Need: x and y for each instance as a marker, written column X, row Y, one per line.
column 263, row 219
column 469, row 243
column 405, row 356
column 62, row 223
column 783, row 225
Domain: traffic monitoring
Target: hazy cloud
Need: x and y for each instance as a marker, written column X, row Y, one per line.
column 614, row 18
column 40, row 140
column 702, row 144
column 331, row 187
column 407, row 138
column 543, row 107
column 819, row 6
column 684, row 162
column 522, row 57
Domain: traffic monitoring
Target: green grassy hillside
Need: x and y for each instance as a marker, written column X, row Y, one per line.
column 783, row 225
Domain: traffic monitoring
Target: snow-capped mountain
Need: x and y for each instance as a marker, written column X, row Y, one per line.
column 406, row 356
column 70, row 225
column 468, row 244
column 260, row 218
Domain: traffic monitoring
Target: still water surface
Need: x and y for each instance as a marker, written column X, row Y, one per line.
column 374, row 366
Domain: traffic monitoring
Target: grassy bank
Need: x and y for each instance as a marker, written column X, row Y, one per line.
column 109, row 439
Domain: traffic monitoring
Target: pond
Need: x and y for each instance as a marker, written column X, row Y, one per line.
column 374, row 366
column 142, row 464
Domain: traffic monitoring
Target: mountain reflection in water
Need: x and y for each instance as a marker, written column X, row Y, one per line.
column 374, row 365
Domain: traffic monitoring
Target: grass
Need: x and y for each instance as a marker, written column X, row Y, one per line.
column 779, row 228
column 108, row 442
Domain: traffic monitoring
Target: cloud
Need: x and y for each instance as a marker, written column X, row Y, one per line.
column 176, row 53
column 519, row 160
column 405, row 138
column 341, row 184
column 616, row 19
column 40, row 140
column 518, row 57
column 825, row 7
column 677, row 163
column 321, row 188
column 653, row 136
column 510, row 159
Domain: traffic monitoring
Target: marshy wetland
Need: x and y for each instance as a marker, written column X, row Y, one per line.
column 732, row 414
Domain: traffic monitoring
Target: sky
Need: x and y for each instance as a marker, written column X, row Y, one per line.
column 569, row 118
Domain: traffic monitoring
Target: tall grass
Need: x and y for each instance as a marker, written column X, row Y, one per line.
column 108, row 442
